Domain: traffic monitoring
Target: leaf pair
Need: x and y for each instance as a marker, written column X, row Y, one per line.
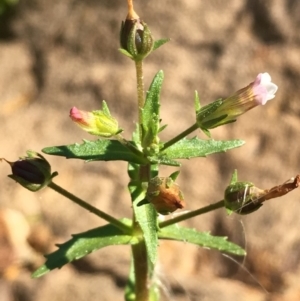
column 84, row 243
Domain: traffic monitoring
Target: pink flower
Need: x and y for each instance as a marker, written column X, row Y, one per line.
column 226, row 111
column 263, row 88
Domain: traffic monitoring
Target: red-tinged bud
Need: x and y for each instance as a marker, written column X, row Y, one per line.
column 99, row 123
column 135, row 37
column 165, row 195
column 32, row 172
column 226, row 111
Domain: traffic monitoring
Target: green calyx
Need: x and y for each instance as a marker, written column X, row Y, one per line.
column 242, row 197
column 136, row 39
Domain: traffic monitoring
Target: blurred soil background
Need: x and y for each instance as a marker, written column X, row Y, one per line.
column 63, row 53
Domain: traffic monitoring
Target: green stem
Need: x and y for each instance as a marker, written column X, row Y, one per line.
column 191, row 214
column 180, row 136
column 140, row 88
column 91, row 208
column 139, row 251
column 140, row 261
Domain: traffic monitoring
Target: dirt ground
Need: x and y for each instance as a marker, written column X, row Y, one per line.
column 63, row 53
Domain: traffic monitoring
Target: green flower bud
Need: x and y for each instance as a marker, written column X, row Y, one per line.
column 135, row 37
column 243, row 197
column 165, row 195
column 32, row 172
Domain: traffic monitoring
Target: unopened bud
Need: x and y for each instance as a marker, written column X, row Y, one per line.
column 32, row 172
column 243, row 197
column 165, row 195
column 98, row 123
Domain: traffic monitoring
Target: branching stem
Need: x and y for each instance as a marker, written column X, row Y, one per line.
column 91, row 208
column 140, row 88
column 191, row 214
column 180, row 136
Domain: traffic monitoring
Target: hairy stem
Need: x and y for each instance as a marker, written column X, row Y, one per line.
column 139, row 253
column 90, row 208
column 191, row 214
column 140, row 88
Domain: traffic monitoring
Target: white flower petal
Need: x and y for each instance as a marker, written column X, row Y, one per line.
column 263, row 88
column 265, row 78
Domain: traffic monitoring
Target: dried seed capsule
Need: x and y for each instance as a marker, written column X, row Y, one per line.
column 165, row 195
column 135, row 36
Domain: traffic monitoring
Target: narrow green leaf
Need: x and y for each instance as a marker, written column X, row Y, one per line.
column 152, row 104
column 159, row 43
column 98, row 150
column 197, row 102
column 206, row 132
column 136, row 135
column 208, row 109
column 146, row 216
column 191, row 148
column 125, row 52
column 81, row 245
column 105, row 108
column 174, row 175
column 150, row 112
column 203, row 239
column 234, row 177
column 162, row 128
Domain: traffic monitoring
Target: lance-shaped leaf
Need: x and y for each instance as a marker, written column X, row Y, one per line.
column 150, row 112
column 203, row 239
column 191, row 148
column 145, row 214
column 159, row 43
column 146, row 217
column 81, row 245
column 99, row 150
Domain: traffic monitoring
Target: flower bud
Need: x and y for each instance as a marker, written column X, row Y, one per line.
column 165, row 195
column 243, row 197
column 32, row 172
column 98, row 123
column 226, row 111
column 135, row 36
